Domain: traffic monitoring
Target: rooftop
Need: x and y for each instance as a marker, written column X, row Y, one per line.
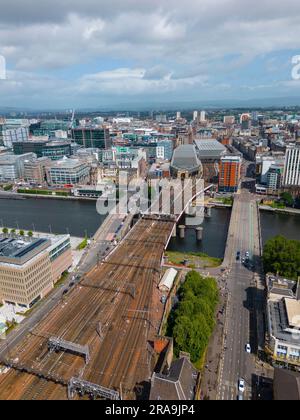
column 286, row 385
column 279, row 322
column 209, row 149
column 293, row 312
column 185, row 158
column 17, row 251
column 178, row 384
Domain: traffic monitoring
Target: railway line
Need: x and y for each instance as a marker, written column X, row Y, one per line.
column 110, row 312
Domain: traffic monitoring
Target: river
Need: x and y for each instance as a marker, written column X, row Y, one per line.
column 79, row 217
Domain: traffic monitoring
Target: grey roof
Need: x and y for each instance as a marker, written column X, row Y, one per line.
column 14, row 250
column 281, row 286
column 286, row 385
column 209, row 149
column 179, row 384
column 279, row 323
column 185, row 158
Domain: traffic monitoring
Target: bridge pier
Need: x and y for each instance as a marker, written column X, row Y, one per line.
column 199, row 234
column 181, row 231
column 207, row 212
column 174, row 232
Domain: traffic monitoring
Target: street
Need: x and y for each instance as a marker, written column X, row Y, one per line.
column 240, row 322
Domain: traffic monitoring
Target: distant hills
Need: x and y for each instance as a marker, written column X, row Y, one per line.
column 276, row 102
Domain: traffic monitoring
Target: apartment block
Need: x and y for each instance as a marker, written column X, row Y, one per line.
column 229, row 173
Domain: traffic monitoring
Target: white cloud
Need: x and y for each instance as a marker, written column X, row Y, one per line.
column 158, row 45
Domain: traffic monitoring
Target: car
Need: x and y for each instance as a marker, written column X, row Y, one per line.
column 241, row 385
column 248, row 348
column 247, row 254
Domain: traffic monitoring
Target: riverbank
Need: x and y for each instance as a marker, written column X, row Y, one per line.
column 287, row 210
column 193, row 260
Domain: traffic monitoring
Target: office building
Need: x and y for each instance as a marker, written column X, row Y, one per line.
column 230, row 173
column 275, row 177
column 35, row 170
column 291, row 176
column 12, row 167
column 209, row 152
column 56, row 150
column 29, row 268
column 165, row 149
column 68, row 172
column 96, row 138
column 14, row 135
column 284, row 333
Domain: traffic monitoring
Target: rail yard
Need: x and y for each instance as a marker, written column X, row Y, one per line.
column 95, row 343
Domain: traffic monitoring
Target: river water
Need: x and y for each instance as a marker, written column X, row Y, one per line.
column 80, row 217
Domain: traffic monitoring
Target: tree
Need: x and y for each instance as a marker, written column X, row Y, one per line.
column 194, row 320
column 282, row 256
column 5, row 231
column 287, row 199
column 22, row 233
column 30, row 234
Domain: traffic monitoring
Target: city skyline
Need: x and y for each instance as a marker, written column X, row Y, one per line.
column 105, row 54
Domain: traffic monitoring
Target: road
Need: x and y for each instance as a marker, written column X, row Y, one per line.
column 240, row 322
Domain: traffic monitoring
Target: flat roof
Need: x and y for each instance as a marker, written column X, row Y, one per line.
column 293, row 312
column 13, row 250
column 209, row 148
column 279, row 323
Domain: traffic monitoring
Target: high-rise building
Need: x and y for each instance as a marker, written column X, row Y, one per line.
column 203, row 116
column 292, row 167
column 245, row 121
column 229, row 119
column 196, row 116
column 274, row 178
column 14, row 135
column 165, row 149
column 229, row 173
column 95, row 138
column 178, row 116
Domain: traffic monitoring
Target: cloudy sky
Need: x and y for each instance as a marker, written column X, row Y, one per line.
column 89, row 53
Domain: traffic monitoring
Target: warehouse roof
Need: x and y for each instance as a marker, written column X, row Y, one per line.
column 209, row 149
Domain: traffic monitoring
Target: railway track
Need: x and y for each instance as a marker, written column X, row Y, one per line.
column 117, row 355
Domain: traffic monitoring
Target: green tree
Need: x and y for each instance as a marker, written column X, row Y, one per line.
column 282, row 256
column 194, row 320
column 30, row 234
column 287, row 199
column 5, row 231
column 22, row 233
